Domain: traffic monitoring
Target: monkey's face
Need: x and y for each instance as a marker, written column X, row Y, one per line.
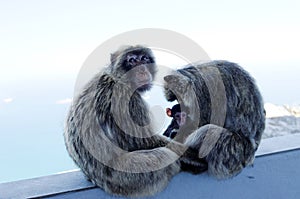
column 180, row 118
column 178, row 115
column 134, row 66
column 139, row 68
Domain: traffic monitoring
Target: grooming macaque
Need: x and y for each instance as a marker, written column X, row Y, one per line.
column 224, row 101
column 109, row 136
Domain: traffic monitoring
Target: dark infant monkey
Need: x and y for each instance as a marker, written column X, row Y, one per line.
column 179, row 119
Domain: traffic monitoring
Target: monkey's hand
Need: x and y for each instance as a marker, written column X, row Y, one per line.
column 226, row 153
column 189, row 157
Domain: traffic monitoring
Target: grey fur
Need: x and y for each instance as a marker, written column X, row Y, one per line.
column 109, row 136
column 230, row 114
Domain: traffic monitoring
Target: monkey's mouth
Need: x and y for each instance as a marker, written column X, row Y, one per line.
column 145, row 82
column 144, row 86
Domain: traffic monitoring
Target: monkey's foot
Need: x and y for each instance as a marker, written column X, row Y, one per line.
column 190, row 162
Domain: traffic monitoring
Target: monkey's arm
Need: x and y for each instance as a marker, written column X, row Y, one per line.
column 120, row 107
column 130, row 104
column 226, row 153
column 168, row 130
column 188, row 157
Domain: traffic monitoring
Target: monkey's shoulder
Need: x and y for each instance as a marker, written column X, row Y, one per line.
column 225, row 68
column 210, row 66
column 105, row 80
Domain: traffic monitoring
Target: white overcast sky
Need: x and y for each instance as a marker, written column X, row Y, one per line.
column 40, row 38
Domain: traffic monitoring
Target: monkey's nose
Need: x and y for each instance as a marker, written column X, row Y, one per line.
column 138, row 62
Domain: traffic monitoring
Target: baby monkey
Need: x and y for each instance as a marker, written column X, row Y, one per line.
column 179, row 119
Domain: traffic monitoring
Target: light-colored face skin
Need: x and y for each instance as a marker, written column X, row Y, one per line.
column 180, row 118
column 139, row 73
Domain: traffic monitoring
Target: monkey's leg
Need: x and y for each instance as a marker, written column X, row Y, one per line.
column 189, row 158
column 226, row 153
column 190, row 162
column 141, row 173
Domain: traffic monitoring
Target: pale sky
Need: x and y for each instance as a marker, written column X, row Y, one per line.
column 39, row 38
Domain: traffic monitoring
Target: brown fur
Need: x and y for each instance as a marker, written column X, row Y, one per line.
column 109, row 136
column 224, row 101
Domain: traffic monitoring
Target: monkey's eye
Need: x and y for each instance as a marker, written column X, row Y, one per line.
column 180, row 115
column 145, row 58
column 132, row 59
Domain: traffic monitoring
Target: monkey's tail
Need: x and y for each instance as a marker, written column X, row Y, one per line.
column 226, row 153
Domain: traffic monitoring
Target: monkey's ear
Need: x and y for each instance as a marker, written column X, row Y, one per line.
column 113, row 58
column 169, row 112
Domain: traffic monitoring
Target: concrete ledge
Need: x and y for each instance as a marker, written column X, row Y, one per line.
column 44, row 186
column 275, row 174
column 279, row 144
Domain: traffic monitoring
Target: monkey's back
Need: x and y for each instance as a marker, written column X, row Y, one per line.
column 244, row 105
